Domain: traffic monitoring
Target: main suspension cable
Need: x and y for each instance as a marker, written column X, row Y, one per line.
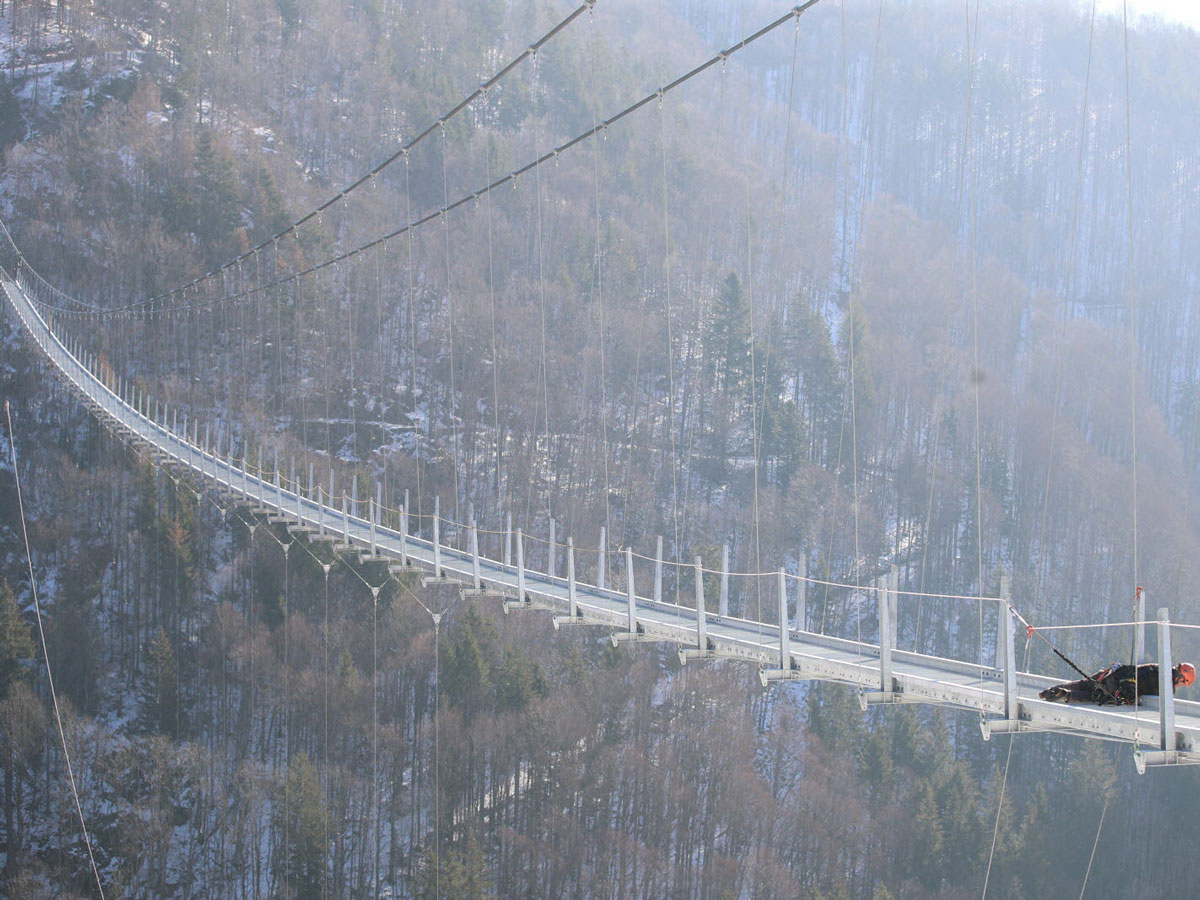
column 154, row 304
column 403, row 151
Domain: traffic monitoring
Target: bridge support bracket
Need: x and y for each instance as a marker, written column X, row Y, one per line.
column 766, row 675
column 686, row 653
column 482, row 593
column 1144, row 759
column 988, row 727
column 433, row 580
column 559, row 621
column 868, row 699
column 633, row 637
column 527, row 604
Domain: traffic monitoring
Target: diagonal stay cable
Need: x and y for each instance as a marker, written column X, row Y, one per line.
column 58, row 719
column 471, row 197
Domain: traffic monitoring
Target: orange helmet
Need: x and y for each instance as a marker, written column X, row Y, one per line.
column 1187, row 673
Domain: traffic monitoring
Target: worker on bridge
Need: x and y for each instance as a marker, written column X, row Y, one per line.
column 1118, row 685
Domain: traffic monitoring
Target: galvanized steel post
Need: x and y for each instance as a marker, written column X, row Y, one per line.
column 630, row 597
column 320, row 514
column 572, row 605
column 437, row 536
column 475, row 573
column 1139, row 634
column 1008, row 647
column 371, row 508
column 520, row 566
column 658, row 569
column 785, row 650
column 885, row 636
column 802, row 593
column 404, row 530
column 723, row 608
column 1166, row 686
column 602, row 560
column 894, row 604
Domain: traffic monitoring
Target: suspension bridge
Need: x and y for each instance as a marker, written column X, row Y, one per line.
column 1163, row 731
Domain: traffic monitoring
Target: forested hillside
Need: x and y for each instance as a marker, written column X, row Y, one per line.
column 871, row 293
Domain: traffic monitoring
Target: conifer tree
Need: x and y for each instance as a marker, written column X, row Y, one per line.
column 728, row 337
column 16, row 640
column 300, row 829
column 160, row 699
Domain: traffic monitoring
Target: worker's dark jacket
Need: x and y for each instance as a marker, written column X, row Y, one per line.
column 1125, row 682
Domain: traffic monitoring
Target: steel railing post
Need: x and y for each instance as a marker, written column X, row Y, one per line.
column 785, row 650
column 520, row 567
column 1166, row 687
column 404, row 531
column 437, row 540
column 476, row 577
column 723, row 607
column 630, row 596
column 1008, row 645
column 602, row 560
column 1139, row 634
column 802, row 593
column 885, row 636
column 572, row 603
column 658, row 569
